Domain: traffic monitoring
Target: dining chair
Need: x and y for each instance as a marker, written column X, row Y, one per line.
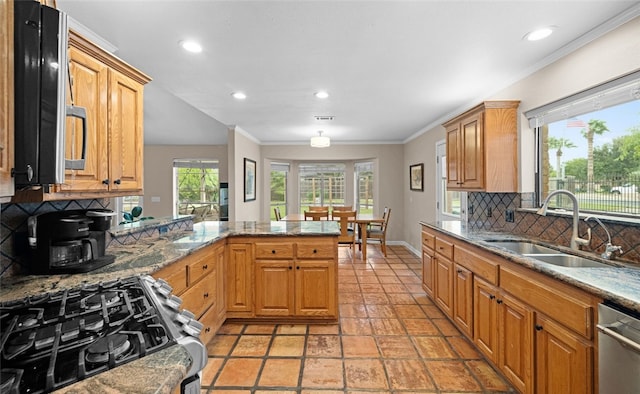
column 276, row 211
column 379, row 234
column 316, row 215
column 347, row 234
column 341, row 209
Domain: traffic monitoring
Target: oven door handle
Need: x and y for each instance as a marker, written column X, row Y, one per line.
column 624, row 341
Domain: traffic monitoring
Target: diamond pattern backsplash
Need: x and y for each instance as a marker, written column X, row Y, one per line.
column 487, row 211
column 13, row 228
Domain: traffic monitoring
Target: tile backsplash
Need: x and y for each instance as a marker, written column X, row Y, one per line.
column 489, row 211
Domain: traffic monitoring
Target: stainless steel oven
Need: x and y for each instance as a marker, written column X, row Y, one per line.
column 619, row 350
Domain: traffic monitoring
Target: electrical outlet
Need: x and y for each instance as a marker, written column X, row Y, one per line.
column 470, row 209
column 509, row 216
column 489, row 212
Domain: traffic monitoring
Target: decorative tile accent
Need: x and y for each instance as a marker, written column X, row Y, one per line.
column 131, row 233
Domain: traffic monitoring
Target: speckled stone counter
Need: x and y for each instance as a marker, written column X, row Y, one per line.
column 619, row 283
column 162, row 371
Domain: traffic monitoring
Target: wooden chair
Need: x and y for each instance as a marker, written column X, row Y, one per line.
column 341, row 209
column 276, row 211
column 347, row 235
column 379, row 234
column 316, row 215
column 318, row 209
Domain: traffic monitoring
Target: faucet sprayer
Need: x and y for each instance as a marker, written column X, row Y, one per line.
column 609, row 248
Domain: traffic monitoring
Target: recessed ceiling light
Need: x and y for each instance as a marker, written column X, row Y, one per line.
column 191, row 46
column 239, row 95
column 321, row 94
column 539, row 34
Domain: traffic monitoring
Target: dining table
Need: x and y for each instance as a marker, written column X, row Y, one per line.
column 361, row 220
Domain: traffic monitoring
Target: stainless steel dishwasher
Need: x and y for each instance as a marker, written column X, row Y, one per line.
column 618, row 350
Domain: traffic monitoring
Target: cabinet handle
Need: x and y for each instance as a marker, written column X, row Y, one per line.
column 290, row 267
column 459, row 271
column 499, row 301
column 117, row 181
column 491, row 297
column 315, row 251
column 207, row 329
column 273, row 252
column 538, row 327
column 204, row 267
column 206, row 295
column 297, row 267
column 105, row 181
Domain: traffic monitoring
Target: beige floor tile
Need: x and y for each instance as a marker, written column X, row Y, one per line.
column 463, row 347
column 221, row 345
column 292, row 329
column 394, row 288
column 375, row 298
column 351, row 298
column 210, row 370
column 260, row 329
column 359, row 346
column 409, row 311
column 355, row 326
column 251, row 345
column 328, row 329
column 365, row 374
column 280, row 372
column 408, row 375
column 446, row 327
column 433, row 347
column 239, row 372
column 452, row 376
column 231, row 328
column 353, row 310
column 420, row 327
column 323, row 373
column 287, row 346
column 348, row 287
column 387, row 327
column 389, row 279
column 381, row 311
column 401, row 298
column 324, row 346
column 396, row 347
column 487, row 376
column 370, row 278
column 432, row 311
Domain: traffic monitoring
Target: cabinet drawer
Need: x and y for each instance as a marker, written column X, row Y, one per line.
column 428, row 240
column 551, row 299
column 201, row 296
column 175, row 275
column 444, row 248
column 315, row 250
column 274, row 250
column 478, row 264
column 200, row 264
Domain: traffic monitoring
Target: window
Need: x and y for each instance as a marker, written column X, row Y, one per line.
column 279, row 175
column 448, row 203
column 321, row 185
column 126, row 204
column 197, row 188
column 589, row 144
column 364, row 187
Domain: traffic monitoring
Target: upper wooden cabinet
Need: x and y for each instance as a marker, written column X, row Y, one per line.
column 6, row 101
column 482, row 150
column 111, row 91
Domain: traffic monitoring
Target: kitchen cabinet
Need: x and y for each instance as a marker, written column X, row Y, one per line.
column 443, row 288
column 428, row 262
column 296, row 279
column 536, row 330
column 482, row 151
column 112, row 92
column 6, row 100
column 239, row 279
column 196, row 279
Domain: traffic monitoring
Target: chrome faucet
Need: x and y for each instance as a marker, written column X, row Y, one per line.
column 575, row 239
column 610, row 248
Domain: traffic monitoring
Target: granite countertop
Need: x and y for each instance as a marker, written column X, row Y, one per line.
column 158, row 372
column 619, row 283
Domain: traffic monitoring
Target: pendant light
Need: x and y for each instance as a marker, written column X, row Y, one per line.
column 319, row 141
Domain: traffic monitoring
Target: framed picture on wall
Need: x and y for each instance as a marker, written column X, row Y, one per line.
column 416, row 177
column 249, row 180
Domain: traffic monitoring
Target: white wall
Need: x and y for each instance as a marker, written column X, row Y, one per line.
column 158, row 172
column 241, row 146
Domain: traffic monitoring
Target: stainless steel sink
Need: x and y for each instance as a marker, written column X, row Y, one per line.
column 568, row 260
column 523, row 247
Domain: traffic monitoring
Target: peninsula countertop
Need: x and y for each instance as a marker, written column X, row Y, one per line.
column 619, row 283
column 158, row 372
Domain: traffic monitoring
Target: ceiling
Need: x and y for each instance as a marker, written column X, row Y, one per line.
column 393, row 69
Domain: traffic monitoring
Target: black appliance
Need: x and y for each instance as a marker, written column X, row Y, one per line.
column 53, row 340
column 224, row 201
column 41, row 74
column 71, row 241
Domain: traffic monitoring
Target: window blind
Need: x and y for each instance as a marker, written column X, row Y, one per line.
column 195, row 163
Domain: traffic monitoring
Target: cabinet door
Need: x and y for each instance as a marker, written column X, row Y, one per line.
column 428, row 272
column 201, row 296
column 274, row 288
column 315, row 289
column 89, row 88
column 485, row 315
column 463, row 299
column 472, row 152
column 239, row 276
column 221, row 290
column 6, row 99
column 454, row 179
column 126, row 133
column 516, row 342
column 444, row 285
column 564, row 363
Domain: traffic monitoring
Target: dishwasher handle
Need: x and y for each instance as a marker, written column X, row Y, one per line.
column 624, row 341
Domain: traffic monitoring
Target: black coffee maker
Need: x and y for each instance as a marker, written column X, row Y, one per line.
column 66, row 242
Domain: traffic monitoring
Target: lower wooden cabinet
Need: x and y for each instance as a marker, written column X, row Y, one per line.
column 239, row 280
column 537, row 331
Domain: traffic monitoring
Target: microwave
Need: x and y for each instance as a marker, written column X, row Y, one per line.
column 41, row 80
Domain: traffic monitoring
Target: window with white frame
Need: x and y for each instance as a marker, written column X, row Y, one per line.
column 321, row 185
column 197, row 188
column 279, row 175
column 363, row 173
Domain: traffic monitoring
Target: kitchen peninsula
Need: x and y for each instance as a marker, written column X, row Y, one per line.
column 203, row 267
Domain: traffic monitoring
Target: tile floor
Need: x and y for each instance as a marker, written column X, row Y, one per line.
column 390, row 338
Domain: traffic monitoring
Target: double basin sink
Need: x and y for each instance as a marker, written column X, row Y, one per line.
column 548, row 255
